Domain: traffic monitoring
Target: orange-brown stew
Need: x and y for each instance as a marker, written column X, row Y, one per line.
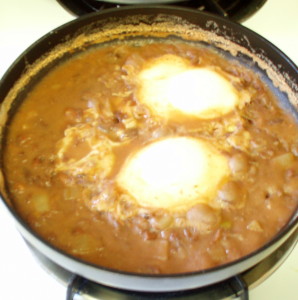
column 76, row 205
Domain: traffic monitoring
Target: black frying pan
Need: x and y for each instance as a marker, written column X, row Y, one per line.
column 237, row 41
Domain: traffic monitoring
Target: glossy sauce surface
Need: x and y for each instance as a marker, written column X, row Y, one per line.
column 77, row 128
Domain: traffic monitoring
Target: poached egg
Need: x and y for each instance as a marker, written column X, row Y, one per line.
column 173, row 173
column 170, row 86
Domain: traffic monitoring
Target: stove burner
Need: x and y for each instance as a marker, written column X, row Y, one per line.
column 229, row 289
column 234, row 287
column 236, row 10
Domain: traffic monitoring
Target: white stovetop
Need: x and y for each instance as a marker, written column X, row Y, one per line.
column 24, row 21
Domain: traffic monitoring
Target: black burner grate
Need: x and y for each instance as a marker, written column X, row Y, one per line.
column 236, row 10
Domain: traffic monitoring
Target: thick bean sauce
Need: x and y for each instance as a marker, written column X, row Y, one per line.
column 74, row 130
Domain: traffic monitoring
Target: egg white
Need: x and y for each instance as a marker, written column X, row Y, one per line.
column 170, row 85
column 173, row 173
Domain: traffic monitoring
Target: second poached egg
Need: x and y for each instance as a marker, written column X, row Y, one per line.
column 169, row 85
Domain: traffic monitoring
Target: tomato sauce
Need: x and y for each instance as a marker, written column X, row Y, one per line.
column 68, row 195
